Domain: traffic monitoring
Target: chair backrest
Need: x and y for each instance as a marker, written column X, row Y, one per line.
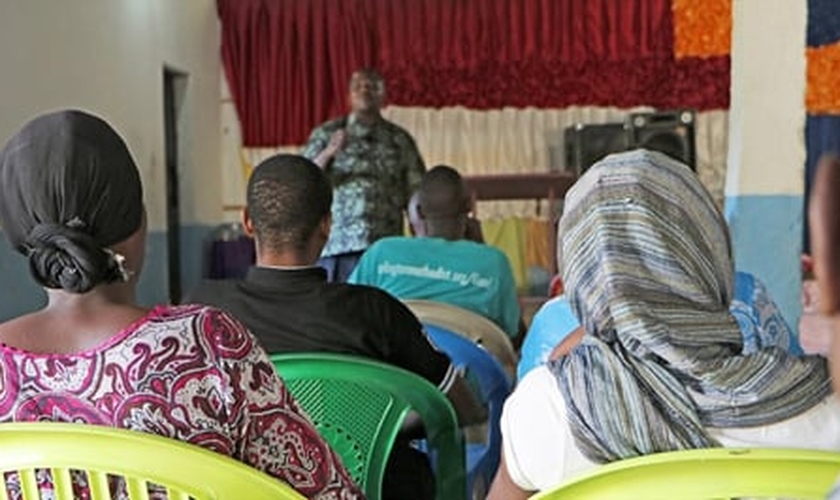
column 492, row 380
column 184, row 470
column 358, row 406
column 468, row 324
column 708, row 473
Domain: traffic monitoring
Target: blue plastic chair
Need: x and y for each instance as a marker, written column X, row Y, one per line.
column 494, row 387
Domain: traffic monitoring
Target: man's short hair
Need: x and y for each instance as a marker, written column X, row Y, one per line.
column 371, row 74
column 442, row 193
column 288, row 197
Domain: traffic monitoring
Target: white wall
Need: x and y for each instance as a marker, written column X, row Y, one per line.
column 107, row 56
column 767, row 110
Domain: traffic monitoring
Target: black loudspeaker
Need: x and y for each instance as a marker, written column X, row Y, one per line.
column 586, row 144
column 670, row 132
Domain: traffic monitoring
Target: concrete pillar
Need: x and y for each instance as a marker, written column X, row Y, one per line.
column 765, row 170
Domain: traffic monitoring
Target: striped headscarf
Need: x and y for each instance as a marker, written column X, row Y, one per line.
column 647, row 265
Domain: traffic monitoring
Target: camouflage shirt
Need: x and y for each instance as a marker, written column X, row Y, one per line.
column 373, row 177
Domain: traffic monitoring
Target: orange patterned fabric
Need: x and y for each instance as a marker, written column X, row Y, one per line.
column 823, row 96
column 702, row 28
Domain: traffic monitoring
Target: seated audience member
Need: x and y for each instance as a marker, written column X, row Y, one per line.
column 417, row 225
column 441, row 264
column 759, row 319
column 551, row 324
column 815, row 332
column 824, row 221
column 815, row 329
column 658, row 364
column 289, row 305
column 71, row 201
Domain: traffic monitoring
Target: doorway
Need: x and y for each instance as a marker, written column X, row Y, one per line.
column 174, row 93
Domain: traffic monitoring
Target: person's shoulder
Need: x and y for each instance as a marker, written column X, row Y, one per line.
column 188, row 312
column 560, row 302
column 202, row 319
column 177, row 312
column 397, row 131
column 390, row 242
column 483, row 249
column 353, row 292
column 397, row 249
column 221, row 332
column 366, row 299
column 500, row 258
column 211, row 292
column 331, row 126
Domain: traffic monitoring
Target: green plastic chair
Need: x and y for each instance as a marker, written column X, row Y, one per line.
column 186, row 471
column 708, row 473
column 358, row 406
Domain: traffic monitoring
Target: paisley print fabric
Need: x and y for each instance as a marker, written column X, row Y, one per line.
column 759, row 318
column 190, row 373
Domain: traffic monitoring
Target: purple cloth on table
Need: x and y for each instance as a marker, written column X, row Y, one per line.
column 230, row 259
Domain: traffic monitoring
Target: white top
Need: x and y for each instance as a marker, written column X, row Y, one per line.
column 540, row 451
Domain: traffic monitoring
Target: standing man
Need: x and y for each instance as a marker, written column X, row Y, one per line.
column 374, row 166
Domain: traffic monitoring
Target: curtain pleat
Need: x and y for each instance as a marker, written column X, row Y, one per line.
column 288, row 61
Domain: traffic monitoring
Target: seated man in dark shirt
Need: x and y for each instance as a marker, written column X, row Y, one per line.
column 286, row 302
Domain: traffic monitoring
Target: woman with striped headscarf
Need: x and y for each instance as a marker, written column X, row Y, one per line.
column 647, row 263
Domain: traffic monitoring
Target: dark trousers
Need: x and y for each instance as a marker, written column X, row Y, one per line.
column 340, row 266
column 408, row 475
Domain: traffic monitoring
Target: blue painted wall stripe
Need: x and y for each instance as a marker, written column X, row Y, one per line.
column 766, row 238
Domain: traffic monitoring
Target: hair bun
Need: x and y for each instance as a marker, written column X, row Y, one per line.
column 66, row 258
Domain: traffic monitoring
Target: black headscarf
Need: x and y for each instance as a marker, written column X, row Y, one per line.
column 68, row 190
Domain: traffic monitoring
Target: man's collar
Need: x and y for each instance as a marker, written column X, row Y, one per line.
column 282, row 277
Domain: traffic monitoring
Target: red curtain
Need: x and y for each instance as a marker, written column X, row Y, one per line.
column 288, row 61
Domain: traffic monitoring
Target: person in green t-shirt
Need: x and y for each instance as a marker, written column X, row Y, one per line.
column 442, row 264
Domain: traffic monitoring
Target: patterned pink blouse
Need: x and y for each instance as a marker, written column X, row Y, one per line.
column 192, row 373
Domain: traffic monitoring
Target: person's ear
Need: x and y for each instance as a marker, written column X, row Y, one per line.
column 420, row 212
column 466, row 206
column 326, row 225
column 247, row 223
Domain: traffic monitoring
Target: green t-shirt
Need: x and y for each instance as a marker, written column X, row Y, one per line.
column 462, row 273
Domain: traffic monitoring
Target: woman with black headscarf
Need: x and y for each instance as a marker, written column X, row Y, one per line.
column 71, row 201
